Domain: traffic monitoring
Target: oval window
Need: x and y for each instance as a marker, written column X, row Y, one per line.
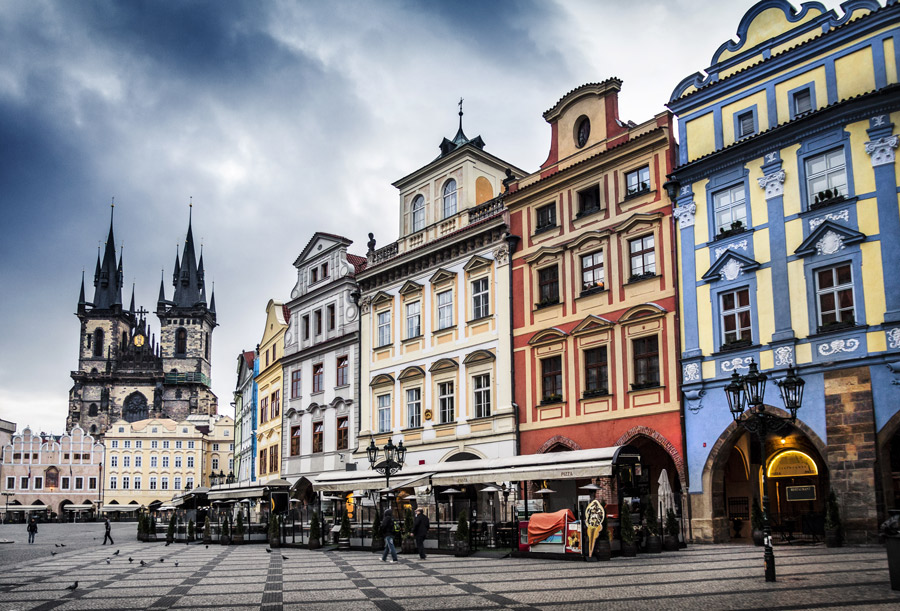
column 583, row 131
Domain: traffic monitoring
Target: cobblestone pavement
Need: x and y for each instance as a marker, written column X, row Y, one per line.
column 246, row 577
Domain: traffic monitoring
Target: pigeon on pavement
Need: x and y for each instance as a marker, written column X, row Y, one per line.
column 283, row 557
column 117, row 552
column 130, row 559
column 176, row 563
column 56, row 545
column 62, row 544
column 143, row 563
column 162, row 559
column 167, row 544
column 52, row 553
column 107, row 561
column 72, row 587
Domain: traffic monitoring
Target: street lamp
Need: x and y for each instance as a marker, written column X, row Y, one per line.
column 394, row 457
column 745, row 396
column 6, row 513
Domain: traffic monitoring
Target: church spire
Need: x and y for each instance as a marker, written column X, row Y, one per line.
column 82, row 306
column 131, row 308
column 108, row 291
column 212, row 299
column 187, row 284
column 162, row 289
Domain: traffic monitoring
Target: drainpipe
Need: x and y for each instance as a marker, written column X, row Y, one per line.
column 355, row 296
column 513, row 241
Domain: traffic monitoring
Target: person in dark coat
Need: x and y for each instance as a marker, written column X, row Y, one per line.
column 420, row 528
column 387, row 529
column 107, row 535
column 32, row 529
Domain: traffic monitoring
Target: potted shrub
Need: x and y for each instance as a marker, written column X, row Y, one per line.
column 756, row 523
column 141, row 528
column 225, row 537
column 315, row 541
column 344, row 535
column 377, row 535
column 207, row 535
column 603, row 550
column 654, row 543
column 834, row 531
column 239, row 529
column 670, row 542
column 274, row 537
column 408, row 544
column 462, row 535
column 626, row 531
column 151, row 531
column 170, row 532
column 192, row 534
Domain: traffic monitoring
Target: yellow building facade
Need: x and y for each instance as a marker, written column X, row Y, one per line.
column 269, row 382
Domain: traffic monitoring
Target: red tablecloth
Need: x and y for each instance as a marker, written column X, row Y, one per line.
column 542, row 525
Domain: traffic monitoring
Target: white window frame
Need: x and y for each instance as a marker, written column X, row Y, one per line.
column 417, row 214
column 113, row 461
column 481, row 298
column 414, row 407
column 445, row 309
column 113, row 483
column 481, row 384
column 413, row 319
column 165, row 462
column 448, row 198
column 635, row 178
column 446, row 401
column 384, row 328
column 384, row 412
column 729, row 206
column 152, row 483
column 736, row 311
column 829, row 173
column 164, row 483
column 835, row 290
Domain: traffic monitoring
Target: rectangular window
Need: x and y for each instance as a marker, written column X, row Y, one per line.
column 10, row 483
column 263, row 410
column 176, row 483
column 115, row 443
column 139, row 444
column 482, row 385
column 343, row 433
column 267, row 358
column 746, row 124
column 551, row 379
column 413, row 319
column 413, row 408
column 834, row 296
column 802, row 102
column 548, row 285
column 646, row 362
column 92, row 483
column 39, row 483
column 273, row 459
column 112, row 483
column 214, row 463
column 164, row 483
column 826, row 176
column 154, row 444
column 638, row 181
column 126, row 461
column 276, row 403
column 295, row 441
column 189, row 482
column 342, row 378
column 324, row 270
column 177, row 462
column 113, row 461
column 735, row 316
column 384, row 413
column 262, row 461
column 295, row 384
column 165, row 445
column 178, row 445
column 137, row 482
column 153, row 462
column 165, row 462
column 190, row 462
column 306, row 326
column 317, row 315
column 730, row 208
column 318, row 437
column 384, row 328
column 65, row 483
column 643, row 257
column 318, row 377
column 446, row 402
column 481, row 306
column 313, row 275
column 138, row 460
column 592, row 276
column 596, row 372
column 546, row 217
column 191, row 444
column 589, row 200
column 126, row 482
column 332, row 317
column 445, row 309
column 152, row 483
column 127, row 444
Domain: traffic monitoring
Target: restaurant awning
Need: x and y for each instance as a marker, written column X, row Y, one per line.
column 577, row 464
column 125, row 508
column 77, row 507
column 26, row 507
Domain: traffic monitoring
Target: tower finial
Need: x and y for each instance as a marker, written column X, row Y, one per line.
column 460, row 113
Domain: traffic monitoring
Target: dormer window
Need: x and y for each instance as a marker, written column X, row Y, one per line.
column 583, row 132
column 418, row 214
column 449, row 198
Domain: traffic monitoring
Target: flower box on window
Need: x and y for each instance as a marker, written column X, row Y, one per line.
column 736, row 228
column 546, row 303
column 589, row 288
column 642, row 188
column 543, row 228
column 600, row 392
column 551, row 399
column 639, row 277
column 736, row 344
column 837, row 325
column 643, row 385
column 826, row 198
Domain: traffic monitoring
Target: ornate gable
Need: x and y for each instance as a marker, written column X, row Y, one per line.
column 729, row 266
column 381, row 297
column 592, row 323
column 828, row 238
column 410, row 288
column 441, row 275
column 548, row 336
column 477, row 262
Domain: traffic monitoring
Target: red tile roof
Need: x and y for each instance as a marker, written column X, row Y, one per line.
column 287, row 313
column 359, row 263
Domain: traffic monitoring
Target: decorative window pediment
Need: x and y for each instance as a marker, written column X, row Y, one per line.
column 729, row 266
column 479, row 356
column 544, row 252
column 313, row 407
column 443, row 365
column 586, row 238
column 592, row 323
column 382, row 380
column 441, row 275
column 410, row 288
column 643, row 312
column 411, row 373
column 828, row 238
column 380, row 298
column 638, row 219
column 476, row 263
column 548, row 336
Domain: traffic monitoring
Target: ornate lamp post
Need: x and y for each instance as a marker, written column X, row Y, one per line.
column 745, row 396
column 394, row 457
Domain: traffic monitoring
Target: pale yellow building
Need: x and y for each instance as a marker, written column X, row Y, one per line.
column 269, row 388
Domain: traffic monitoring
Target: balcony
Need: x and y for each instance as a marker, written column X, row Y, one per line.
column 192, row 377
column 486, row 210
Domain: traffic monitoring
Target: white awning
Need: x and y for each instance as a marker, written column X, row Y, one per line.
column 77, row 507
column 402, row 480
column 235, row 494
column 164, row 508
column 26, row 507
column 126, row 508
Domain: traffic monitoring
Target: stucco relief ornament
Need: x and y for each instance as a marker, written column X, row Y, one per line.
column 838, row 345
column 784, row 355
column 843, row 215
column 736, row 363
column 694, row 399
column 364, row 304
column 731, row 270
column 501, row 254
column 685, row 215
column 742, row 245
column 772, row 183
column 893, row 337
column 882, row 150
column 691, row 372
column 829, row 244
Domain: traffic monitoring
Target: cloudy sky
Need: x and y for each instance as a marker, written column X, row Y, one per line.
column 279, row 119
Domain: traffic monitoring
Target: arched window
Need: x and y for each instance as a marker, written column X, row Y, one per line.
column 449, row 198
column 418, row 213
column 98, row 342
column 93, row 429
column 181, row 342
column 124, row 338
column 92, row 410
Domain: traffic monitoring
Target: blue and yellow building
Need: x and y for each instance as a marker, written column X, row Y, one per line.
column 788, row 244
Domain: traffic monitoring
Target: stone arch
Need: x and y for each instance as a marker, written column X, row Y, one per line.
column 557, row 440
column 668, row 446
column 92, row 410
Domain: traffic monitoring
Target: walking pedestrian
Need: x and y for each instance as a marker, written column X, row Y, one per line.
column 420, row 528
column 32, row 530
column 387, row 529
column 107, row 525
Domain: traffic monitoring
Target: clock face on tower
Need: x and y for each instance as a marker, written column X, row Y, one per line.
column 139, row 340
